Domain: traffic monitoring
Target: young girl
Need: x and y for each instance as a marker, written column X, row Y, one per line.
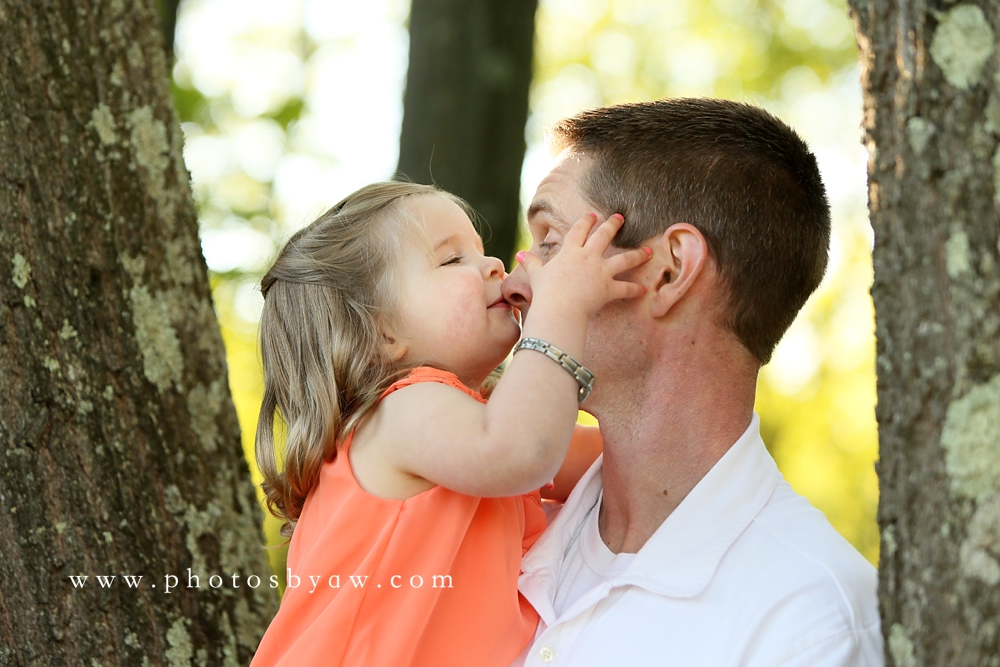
column 413, row 500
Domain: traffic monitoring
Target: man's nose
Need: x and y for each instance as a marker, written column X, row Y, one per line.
column 517, row 290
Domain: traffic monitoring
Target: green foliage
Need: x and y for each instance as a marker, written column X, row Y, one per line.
column 290, row 112
column 641, row 49
column 192, row 106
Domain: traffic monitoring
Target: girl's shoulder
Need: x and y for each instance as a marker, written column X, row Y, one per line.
column 423, row 374
column 409, row 420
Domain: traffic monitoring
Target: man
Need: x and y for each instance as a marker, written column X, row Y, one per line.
column 683, row 545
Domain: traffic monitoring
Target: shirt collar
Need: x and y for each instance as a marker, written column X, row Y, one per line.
column 681, row 557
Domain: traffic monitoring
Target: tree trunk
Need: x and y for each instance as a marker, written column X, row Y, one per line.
column 121, row 450
column 932, row 118
column 466, row 104
column 168, row 24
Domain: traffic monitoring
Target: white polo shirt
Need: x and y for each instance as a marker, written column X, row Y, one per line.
column 745, row 572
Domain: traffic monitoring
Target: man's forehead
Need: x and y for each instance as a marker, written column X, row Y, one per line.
column 559, row 192
column 567, row 170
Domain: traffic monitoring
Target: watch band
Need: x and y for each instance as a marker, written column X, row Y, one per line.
column 579, row 372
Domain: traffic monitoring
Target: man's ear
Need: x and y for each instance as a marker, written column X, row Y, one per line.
column 679, row 257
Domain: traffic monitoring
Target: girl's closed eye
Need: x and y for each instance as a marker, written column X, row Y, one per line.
column 457, row 259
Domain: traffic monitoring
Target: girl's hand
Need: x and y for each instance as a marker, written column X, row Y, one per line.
column 434, row 434
column 580, row 275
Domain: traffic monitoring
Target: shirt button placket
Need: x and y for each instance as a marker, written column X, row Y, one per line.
column 547, row 654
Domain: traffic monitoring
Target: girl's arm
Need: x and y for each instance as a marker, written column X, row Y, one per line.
column 584, row 449
column 429, row 433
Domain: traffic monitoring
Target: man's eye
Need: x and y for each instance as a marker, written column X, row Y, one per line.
column 546, row 247
column 454, row 260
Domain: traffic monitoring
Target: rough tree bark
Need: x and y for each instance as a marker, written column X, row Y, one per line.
column 120, row 446
column 466, row 104
column 932, row 121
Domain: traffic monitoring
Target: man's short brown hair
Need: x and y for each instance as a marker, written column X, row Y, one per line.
column 734, row 171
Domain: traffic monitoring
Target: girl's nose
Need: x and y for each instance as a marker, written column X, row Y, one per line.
column 494, row 268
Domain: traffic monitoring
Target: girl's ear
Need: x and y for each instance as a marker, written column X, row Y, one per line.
column 679, row 255
column 394, row 349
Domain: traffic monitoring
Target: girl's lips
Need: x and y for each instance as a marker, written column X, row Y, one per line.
column 501, row 303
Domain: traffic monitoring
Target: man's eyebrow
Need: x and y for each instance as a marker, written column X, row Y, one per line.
column 542, row 206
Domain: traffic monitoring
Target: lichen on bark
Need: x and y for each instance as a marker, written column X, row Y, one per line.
column 962, row 44
column 162, row 361
column 971, row 440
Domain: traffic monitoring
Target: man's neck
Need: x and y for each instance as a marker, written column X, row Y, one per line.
column 662, row 437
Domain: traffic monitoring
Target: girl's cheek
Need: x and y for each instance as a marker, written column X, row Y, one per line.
column 462, row 295
column 461, row 319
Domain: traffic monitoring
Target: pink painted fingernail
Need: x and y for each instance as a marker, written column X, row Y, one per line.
column 619, row 216
column 649, row 251
column 519, row 257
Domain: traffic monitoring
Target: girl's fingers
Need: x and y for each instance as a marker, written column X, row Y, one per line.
column 622, row 289
column 577, row 234
column 624, row 261
column 629, row 259
column 605, row 232
column 528, row 261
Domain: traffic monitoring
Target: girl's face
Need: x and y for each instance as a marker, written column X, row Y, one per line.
column 452, row 314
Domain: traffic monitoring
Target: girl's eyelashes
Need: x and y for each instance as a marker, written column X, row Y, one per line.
column 453, row 260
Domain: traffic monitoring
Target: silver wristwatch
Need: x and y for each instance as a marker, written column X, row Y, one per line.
column 579, row 372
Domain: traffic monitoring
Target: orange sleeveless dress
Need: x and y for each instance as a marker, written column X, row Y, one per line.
column 427, row 581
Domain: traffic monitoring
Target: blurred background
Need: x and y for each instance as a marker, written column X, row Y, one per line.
column 288, row 106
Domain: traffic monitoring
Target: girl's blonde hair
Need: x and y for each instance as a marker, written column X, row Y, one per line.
column 327, row 300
